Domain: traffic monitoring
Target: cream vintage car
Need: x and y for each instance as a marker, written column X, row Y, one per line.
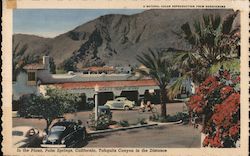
column 120, row 103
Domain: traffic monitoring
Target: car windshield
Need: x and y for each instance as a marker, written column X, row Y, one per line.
column 17, row 133
column 57, row 129
column 121, row 99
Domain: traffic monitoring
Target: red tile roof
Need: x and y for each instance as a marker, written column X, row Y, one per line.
column 95, row 69
column 34, row 66
column 103, row 84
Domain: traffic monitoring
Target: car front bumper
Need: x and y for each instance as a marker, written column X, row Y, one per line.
column 53, row 145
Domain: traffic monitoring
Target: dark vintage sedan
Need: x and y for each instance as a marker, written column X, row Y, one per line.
column 65, row 134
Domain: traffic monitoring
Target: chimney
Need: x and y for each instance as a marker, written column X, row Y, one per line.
column 46, row 62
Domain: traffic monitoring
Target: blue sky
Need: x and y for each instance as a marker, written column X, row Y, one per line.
column 52, row 22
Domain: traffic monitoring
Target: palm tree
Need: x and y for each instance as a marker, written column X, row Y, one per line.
column 212, row 41
column 159, row 69
column 211, row 37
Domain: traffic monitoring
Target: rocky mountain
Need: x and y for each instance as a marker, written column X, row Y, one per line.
column 114, row 39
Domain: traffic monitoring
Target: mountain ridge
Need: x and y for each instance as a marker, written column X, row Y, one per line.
column 113, row 39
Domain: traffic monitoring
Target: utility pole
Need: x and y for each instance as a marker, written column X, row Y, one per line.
column 96, row 101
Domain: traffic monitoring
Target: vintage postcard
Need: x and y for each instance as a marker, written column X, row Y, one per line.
column 125, row 77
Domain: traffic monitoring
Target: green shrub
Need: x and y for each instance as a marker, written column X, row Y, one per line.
column 178, row 116
column 170, row 118
column 142, row 121
column 15, row 105
column 61, row 71
column 154, row 117
column 124, row 123
column 112, row 122
column 183, row 116
column 102, row 122
column 163, row 119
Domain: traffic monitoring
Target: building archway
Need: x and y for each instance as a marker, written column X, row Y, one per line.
column 82, row 104
column 153, row 97
column 103, row 97
column 131, row 95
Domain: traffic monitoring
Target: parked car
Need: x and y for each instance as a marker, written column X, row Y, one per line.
column 26, row 136
column 65, row 134
column 105, row 110
column 120, row 103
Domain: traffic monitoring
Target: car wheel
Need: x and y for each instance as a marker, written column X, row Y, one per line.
column 126, row 108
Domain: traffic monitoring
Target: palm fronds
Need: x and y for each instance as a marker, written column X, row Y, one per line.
column 175, row 88
column 156, row 67
column 210, row 40
column 232, row 65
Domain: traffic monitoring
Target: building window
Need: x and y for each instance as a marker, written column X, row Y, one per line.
column 31, row 76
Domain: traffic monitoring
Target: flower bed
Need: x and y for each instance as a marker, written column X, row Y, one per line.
column 217, row 100
column 104, row 122
column 180, row 116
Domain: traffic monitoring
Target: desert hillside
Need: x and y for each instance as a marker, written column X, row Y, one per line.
column 113, row 39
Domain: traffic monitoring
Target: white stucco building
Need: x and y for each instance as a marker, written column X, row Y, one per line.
column 37, row 77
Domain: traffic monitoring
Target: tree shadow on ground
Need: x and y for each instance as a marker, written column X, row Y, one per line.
column 133, row 131
column 156, row 127
column 97, row 136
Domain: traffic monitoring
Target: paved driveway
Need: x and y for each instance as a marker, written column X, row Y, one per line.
column 184, row 136
column 168, row 136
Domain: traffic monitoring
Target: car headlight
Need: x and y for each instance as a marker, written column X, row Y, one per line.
column 62, row 141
